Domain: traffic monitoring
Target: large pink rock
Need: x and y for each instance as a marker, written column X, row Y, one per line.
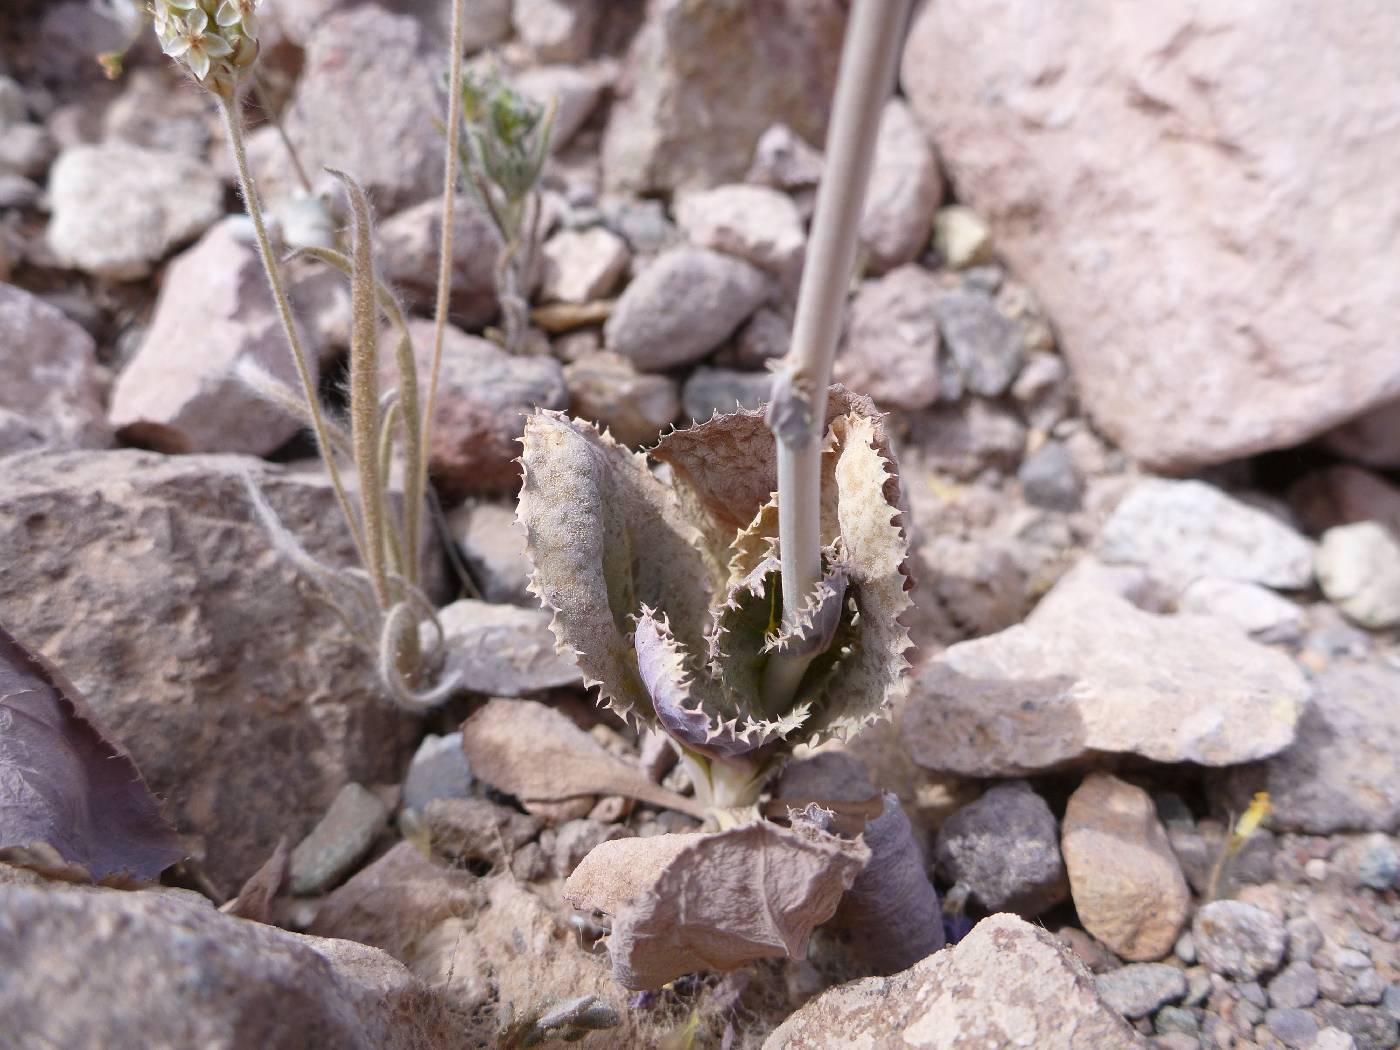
column 1204, row 198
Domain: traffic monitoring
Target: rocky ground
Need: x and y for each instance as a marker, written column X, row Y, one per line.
column 1124, row 289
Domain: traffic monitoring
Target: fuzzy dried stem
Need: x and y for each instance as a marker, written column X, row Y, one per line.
column 797, row 412
column 233, row 125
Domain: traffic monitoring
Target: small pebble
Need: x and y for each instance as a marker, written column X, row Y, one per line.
column 1296, row 1028
column 1238, row 940
column 1139, row 988
column 1185, row 948
column 1295, row 986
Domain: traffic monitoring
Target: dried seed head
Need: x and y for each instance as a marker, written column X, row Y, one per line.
column 216, row 40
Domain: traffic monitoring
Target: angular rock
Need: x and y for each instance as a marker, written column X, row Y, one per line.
column 557, row 30
column 156, row 110
column 573, row 92
column 1005, row 849
column 890, row 350
column 961, row 237
column 203, row 979
column 968, row 996
column 985, row 344
column 684, row 304
column 1297, row 1029
column 340, row 114
column 484, row 394
column 181, row 391
column 1126, row 883
column 50, row 385
column 1339, row 775
column 240, row 696
column 1295, row 986
column 408, row 245
column 439, row 770
column 473, row 829
column 967, row 438
column 579, row 266
column 764, row 338
column 634, row 406
column 711, row 390
column 25, row 150
column 785, row 160
column 758, row 224
column 1343, row 495
column 339, row 840
column 706, row 81
column 905, row 187
column 1188, row 529
column 1191, row 352
column 1050, row 478
column 1238, row 940
column 1256, row 610
column 1138, row 989
column 503, row 650
column 1358, row 568
column 493, row 547
column 119, row 209
column 1090, row 672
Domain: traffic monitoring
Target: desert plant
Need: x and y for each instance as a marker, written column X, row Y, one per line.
column 380, row 601
column 502, row 155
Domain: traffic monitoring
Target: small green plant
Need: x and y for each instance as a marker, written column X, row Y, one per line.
column 503, row 154
column 381, row 601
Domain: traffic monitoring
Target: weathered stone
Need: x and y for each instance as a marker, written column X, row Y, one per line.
column 967, row 996
column 905, row 186
column 705, row 81
column 575, row 839
column 1372, row 438
column 1188, row 529
column 890, row 350
column 493, row 547
column 408, row 244
column 557, row 30
column 503, row 650
column 1090, row 672
column 50, row 388
column 1138, row 989
column 468, row 829
column 339, row 840
column 1238, row 940
column 1086, row 141
column 578, row 266
column 1343, row 495
column 1005, row 849
column 484, row 394
column 573, row 92
column 961, row 237
column 765, row 337
column 785, row 160
column 151, row 584
column 1050, row 478
column 1358, row 568
column 681, row 306
column 181, row 391
column 439, row 770
column 1295, row 987
column 1126, row 883
column 758, row 224
column 1256, row 610
column 985, row 344
column 1296, row 1029
column 1339, row 775
column 341, row 116
column 25, row 150
column 156, row 110
column 711, row 390
column 119, row 209
column 158, row 969
column 634, row 406
column 967, row 438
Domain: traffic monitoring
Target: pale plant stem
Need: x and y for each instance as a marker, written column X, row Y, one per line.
column 418, row 484
column 233, row 124
column 863, row 85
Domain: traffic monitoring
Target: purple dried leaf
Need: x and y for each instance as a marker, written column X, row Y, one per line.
column 66, row 787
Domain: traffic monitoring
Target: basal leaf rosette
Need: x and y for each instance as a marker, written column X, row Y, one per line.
column 663, row 576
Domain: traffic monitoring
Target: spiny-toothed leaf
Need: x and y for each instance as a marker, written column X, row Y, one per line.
column 751, row 610
column 757, row 541
column 606, row 538
column 814, row 627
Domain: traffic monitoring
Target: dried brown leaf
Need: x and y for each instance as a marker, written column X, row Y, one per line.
column 530, row 750
column 64, row 786
column 255, row 899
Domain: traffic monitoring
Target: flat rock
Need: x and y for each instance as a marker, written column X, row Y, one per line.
column 1188, row 529
column 119, row 209
column 1050, row 478
column 1089, row 672
column 408, row 244
column 341, row 115
column 239, row 695
column 1256, row 610
column 493, row 547
column 339, row 840
column 1087, row 143
column 1358, row 568
column 1238, row 940
column 905, row 187
column 890, row 349
column 204, row 979
column 756, row 223
column 50, row 385
column 1005, row 849
column 704, row 82
column 503, row 650
column 683, row 305
column 579, row 266
column 574, row 92
column 634, row 406
column 484, row 394
column 181, row 392
column 1138, row 989
column 439, row 770
column 984, row 344
column 711, row 390
column 468, row 829
column 1127, row 886
column 967, row 996
column 1339, row 775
